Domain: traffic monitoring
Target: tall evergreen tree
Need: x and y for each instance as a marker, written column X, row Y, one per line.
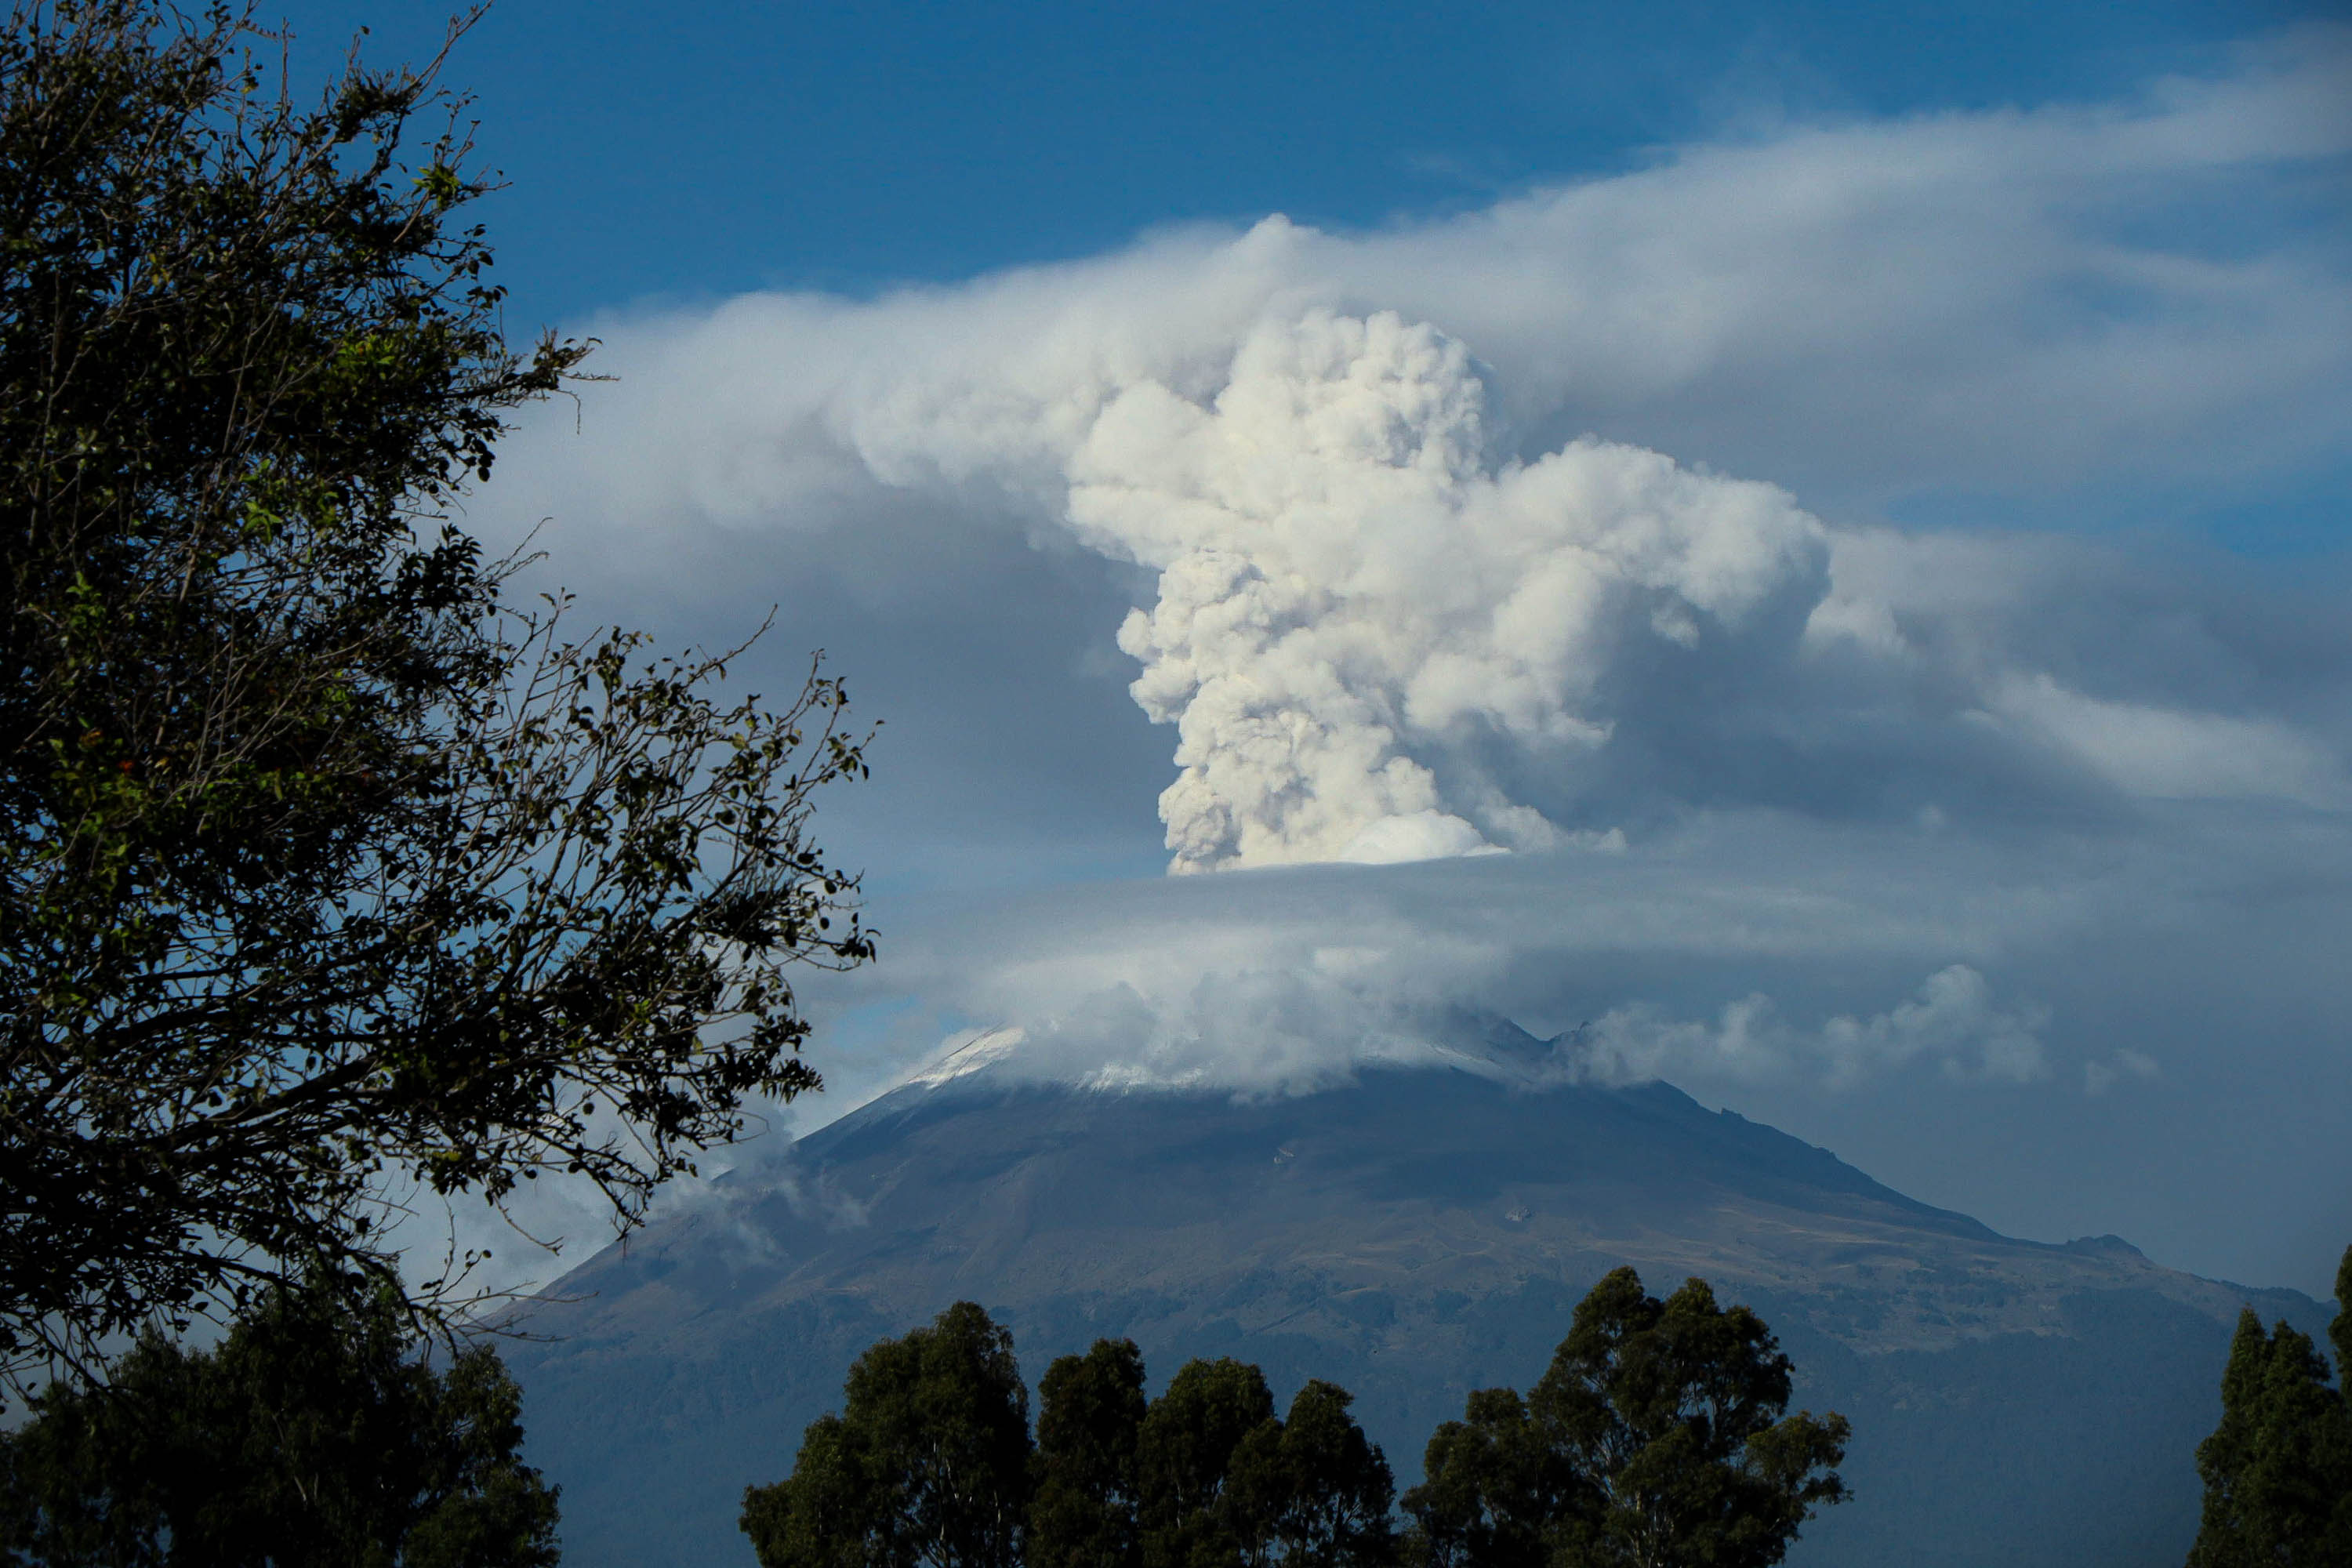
column 1223, row 1483
column 2339, row 1331
column 832, row 1511
column 2278, row 1468
column 316, row 1434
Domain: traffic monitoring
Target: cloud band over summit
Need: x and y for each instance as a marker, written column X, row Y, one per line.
column 1787, row 548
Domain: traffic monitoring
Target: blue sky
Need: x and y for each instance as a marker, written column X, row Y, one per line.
column 688, row 156
column 702, row 149
column 1808, row 539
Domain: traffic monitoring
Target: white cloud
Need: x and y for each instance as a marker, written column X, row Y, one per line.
column 1964, row 298
column 1417, row 836
column 1347, row 581
column 2001, row 300
column 1399, row 604
column 2170, row 754
column 1560, row 527
column 1952, row 1021
column 1883, row 990
column 1869, row 955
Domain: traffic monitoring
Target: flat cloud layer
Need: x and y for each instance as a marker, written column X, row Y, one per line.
column 1564, row 529
column 2133, row 1026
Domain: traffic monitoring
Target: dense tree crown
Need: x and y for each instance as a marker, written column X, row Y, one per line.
column 928, row 1462
column 931, row 1462
column 315, row 1434
column 324, row 869
column 1083, row 1505
column 1656, row 1440
column 2278, row 1468
column 1657, row 1437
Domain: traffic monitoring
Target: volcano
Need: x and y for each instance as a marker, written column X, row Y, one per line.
column 1414, row 1232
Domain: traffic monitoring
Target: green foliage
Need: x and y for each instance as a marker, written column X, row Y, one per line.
column 2278, row 1468
column 1655, row 1438
column 1184, row 1461
column 1496, row 1484
column 1090, row 1411
column 832, row 1511
column 314, row 1433
column 928, row 1462
column 2339, row 1330
column 1311, row 1492
column 325, row 873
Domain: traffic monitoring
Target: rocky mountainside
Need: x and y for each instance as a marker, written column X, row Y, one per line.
column 1414, row 1233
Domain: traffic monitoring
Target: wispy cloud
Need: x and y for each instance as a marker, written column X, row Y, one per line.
column 1952, row 1021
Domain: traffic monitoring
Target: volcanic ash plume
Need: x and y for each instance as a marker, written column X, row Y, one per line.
column 1355, row 598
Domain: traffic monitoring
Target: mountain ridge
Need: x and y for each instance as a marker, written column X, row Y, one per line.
column 1411, row 1233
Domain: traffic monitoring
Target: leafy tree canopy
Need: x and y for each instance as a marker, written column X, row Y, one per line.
column 1221, row 1480
column 928, row 1462
column 1311, row 1492
column 1184, row 1461
column 1497, row 1485
column 1655, row 1440
column 1091, row 1412
column 315, row 1433
column 327, row 874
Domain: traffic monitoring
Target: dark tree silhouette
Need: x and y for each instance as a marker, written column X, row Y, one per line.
column 1656, row 1439
column 1311, row 1492
column 1090, row 1413
column 316, row 1433
column 1184, row 1460
column 1496, row 1484
column 2278, row 1468
column 326, row 873
column 928, row 1462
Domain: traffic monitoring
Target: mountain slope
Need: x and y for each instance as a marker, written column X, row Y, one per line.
column 1412, row 1235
